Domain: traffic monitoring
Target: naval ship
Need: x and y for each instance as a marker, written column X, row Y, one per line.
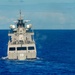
column 21, row 44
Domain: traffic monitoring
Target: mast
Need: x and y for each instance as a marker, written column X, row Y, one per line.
column 20, row 15
column 20, row 21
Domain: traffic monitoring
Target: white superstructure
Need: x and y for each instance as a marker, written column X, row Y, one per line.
column 21, row 44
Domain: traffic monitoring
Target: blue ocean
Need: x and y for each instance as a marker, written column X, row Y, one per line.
column 55, row 54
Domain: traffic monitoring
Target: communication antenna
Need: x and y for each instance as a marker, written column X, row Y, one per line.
column 20, row 15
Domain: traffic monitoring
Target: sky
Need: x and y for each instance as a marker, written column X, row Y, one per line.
column 44, row 14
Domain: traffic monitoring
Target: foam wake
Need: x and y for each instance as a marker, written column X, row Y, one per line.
column 4, row 58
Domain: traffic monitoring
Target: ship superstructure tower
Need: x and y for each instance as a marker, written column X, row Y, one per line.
column 21, row 43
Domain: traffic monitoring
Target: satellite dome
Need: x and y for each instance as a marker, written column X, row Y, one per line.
column 29, row 26
column 12, row 26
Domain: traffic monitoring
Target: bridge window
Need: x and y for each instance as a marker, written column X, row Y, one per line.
column 31, row 48
column 21, row 48
column 12, row 49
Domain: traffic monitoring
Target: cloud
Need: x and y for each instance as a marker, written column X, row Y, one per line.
column 6, row 19
column 52, row 20
column 2, row 17
column 43, row 20
column 49, row 16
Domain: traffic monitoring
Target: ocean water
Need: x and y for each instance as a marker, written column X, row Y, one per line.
column 55, row 54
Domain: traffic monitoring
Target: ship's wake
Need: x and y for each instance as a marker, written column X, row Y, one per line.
column 6, row 58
